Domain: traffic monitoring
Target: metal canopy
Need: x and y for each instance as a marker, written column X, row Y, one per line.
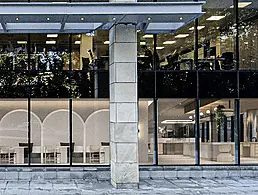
column 155, row 17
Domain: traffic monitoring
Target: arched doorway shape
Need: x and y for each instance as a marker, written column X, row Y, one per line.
column 97, row 128
column 56, row 128
column 14, row 128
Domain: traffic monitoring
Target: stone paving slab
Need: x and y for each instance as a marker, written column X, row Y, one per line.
column 239, row 186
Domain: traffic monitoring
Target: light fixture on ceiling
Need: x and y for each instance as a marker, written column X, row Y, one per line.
column 114, row 18
column 149, row 19
column 50, row 42
column 208, row 111
column 177, row 122
column 179, row 36
column 52, row 35
column 242, row 4
column 159, row 48
column 142, row 42
column 82, row 19
column 77, row 42
column 148, row 36
column 21, row 42
column 138, row 30
column 199, row 28
column 48, row 19
column 17, row 19
column 106, row 42
column 191, row 117
column 169, row 42
column 181, row 18
column 215, row 18
column 201, row 114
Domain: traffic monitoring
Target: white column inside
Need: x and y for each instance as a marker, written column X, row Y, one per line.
column 123, row 106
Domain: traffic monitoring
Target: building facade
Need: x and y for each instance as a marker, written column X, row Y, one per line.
column 128, row 83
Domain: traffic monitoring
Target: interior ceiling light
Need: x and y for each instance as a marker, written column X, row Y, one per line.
column 199, row 28
column 50, row 42
column 138, row 30
column 142, row 43
column 149, row 19
column 48, row 19
column 148, row 36
column 190, row 117
column 21, row 42
column 52, row 35
column 169, row 42
column 208, row 111
column 159, row 47
column 242, row 4
column 106, row 42
column 114, row 18
column 82, row 19
column 77, row 42
column 201, row 114
column 177, row 122
column 179, row 36
column 215, row 18
column 181, row 18
column 17, row 19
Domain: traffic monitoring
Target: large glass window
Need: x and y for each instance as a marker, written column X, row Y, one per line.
column 217, row 131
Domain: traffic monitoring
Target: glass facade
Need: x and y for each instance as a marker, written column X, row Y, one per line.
column 197, row 97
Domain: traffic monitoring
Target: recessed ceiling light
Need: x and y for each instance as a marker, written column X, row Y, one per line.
column 181, row 18
column 21, row 42
column 199, row 28
column 52, row 35
column 208, row 111
column 201, row 114
column 113, row 18
column 179, row 36
column 149, row 19
column 169, row 42
column 159, row 47
column 142, row 43
column 190, row 117
column 82, row 19
column 148, row 36
column 106, row 42
column 50, row 42
column 242, row 4
column 77, row 42
column 17, row 19
column 48, row 19
column 215, row 18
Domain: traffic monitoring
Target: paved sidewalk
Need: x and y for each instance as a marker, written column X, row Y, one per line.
column 169, row 187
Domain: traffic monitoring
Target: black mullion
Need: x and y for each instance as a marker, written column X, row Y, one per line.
column 29, row 102
column 155, row 104
column 197, row 100
column 70, row 104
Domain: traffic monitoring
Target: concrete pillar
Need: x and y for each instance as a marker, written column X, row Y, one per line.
column 123, row 106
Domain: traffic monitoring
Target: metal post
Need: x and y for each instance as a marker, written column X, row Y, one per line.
column 70, row 105
column 29, row 103
column 236, row 15
column 236, row 131
column 155, row 104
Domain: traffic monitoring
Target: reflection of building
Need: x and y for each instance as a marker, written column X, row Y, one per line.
column 76, row 88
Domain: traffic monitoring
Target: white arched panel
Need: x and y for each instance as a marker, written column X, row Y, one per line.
column 97, row 128
column 14, row 128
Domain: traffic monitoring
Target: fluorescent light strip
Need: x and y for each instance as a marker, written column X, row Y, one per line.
column 242, row 4
column 142, row 43
column 159, row 48
column 215, row 18
column 179, row 36
column 148, row 36
column 177, row 122
column 77, row 42
column 50, row 42
column 52, row 35
column 106, row 42
column 21, row 42
column 199, row 28
column 169, row 42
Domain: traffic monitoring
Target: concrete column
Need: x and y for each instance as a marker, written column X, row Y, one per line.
column 123, row 106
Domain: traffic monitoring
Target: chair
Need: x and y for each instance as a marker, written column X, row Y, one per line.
column 51, row 155
column 7, row 155
column 228, row 63
column 68, row 148
column 94, row 153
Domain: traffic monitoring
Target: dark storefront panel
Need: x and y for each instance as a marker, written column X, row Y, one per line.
column 248, row 82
